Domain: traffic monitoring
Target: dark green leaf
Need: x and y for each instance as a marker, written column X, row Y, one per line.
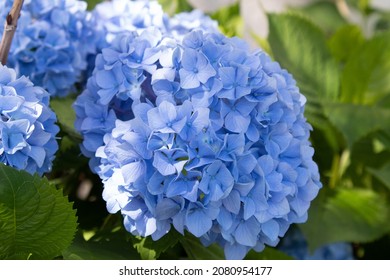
column 36, row 220
column 197, row 251
column 113, row 247
column 352, row 215
column 65, row 113
column 382, row 174
column 268, row 254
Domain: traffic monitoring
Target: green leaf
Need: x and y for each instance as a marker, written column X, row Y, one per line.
column 268, row 254
column 366, row 76
column 92, row 3
column 382, row 174
column 65, row 113
column 300, row 47
column 324, row 14
column 351, row 215
column 356, row 121
column 197, row 251
column 345, row 41
column 150, row 249
column 229, row 20
column 36, row 220
column 172, row 7
column 113, row 247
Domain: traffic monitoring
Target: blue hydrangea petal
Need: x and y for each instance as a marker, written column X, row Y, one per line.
column 235, row 251
column 271, row 229
column 197, row 220
column 166, row 209
column 247, row 231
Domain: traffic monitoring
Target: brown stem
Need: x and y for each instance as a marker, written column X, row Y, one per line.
column 9, row 30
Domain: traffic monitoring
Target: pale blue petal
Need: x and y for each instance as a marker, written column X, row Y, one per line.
column 197, row 222
column 247, row 231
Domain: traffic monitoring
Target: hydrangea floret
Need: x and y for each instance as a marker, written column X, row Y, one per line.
column 27, row 124
column 52, row 43
column 200, row 134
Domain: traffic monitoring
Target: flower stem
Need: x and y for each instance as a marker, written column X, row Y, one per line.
column 9, row 30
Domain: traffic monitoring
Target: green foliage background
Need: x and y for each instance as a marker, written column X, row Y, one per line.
column 344, row 71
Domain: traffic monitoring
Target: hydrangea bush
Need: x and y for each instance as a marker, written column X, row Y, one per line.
column 201, row 134
column 52, row 43
column 27, row 124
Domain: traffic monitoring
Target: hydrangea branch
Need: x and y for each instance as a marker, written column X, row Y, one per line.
column 9, row 30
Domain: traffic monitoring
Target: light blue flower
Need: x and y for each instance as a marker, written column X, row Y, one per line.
column 199, row 218
column 170, row 161
column 52, row 43
column 27, row 124
column 196, row 69
column 213, row 142
column 216, row 182
column 166, row 119
column 234, row 81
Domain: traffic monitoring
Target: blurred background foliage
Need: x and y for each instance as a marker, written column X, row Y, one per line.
column 339, row 53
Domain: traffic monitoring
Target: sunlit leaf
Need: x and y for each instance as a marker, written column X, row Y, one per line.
column 151, row 250
column 345, row 41
column 353, row 215
column 366, row 76
column 356, row 121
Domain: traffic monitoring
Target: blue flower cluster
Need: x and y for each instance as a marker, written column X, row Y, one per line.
column 57, row 41
column 52, row 42
column 27, row 124
column 201, row 134
column 295, row 245
column 116, row 17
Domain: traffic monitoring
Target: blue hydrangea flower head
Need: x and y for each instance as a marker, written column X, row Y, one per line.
column 200, row 134
column 52, row 43
column 112, row 18
column 27, row 124
column 295, row 245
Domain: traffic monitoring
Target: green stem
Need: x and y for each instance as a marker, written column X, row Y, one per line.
column 334, row 174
